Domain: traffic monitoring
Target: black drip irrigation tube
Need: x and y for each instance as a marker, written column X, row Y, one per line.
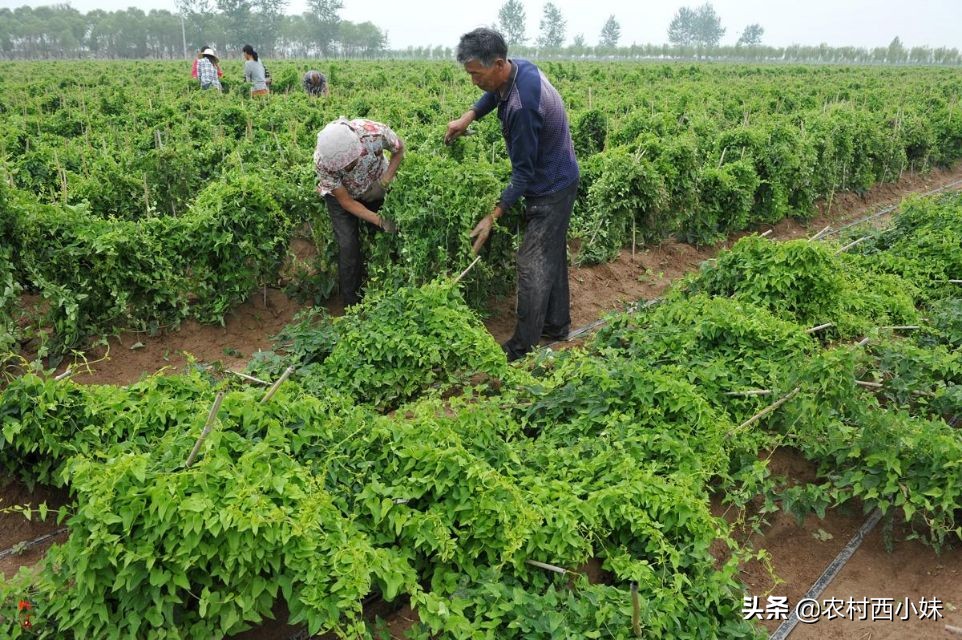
column 831, row 571
column 23, row 546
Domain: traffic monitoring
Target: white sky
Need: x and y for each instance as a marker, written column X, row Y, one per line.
column 861, row 23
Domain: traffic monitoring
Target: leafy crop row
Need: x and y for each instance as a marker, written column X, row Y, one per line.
column 384, row 466
column 97, row 163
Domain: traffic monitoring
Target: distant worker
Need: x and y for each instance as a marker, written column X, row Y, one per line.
column 254, row 72
column 200, row 54
column 544, row 171
column 315, row 84
column 207, row 68
column 353, row 177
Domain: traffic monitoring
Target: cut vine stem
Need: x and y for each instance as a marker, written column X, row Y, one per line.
column 270, row 392
column 208, row 427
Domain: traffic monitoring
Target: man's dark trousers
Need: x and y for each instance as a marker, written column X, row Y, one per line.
column 543, row 298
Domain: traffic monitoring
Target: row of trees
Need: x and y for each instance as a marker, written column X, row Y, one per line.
column 699, row 27
column 553, row 27
column 63, row 32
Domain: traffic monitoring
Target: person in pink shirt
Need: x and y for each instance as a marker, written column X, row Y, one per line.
column 200, row 54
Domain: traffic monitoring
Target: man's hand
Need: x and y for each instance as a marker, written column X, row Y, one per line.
column 456, row 128
column 481, row 233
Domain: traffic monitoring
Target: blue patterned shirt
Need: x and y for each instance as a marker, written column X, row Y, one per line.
column 535, row 129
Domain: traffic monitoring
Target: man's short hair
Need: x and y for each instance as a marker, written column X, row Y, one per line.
column 484, row 45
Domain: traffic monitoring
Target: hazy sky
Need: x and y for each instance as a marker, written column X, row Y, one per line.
column 863, row 23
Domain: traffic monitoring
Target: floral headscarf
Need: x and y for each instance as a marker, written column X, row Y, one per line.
column 337, row 146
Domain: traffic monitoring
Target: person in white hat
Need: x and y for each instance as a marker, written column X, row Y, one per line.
column 353, row 176
column 207, row 70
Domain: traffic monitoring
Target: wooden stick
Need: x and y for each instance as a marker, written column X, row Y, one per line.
column 956, row 630
column 955, row 281
column 863, row 342
column 547, row 567
column 270, row 392
column 851, row 244
column 208, row 427
column 766, row 233
column 465, row 272
column 902, row 327
column 869, row 385
column 249, row 378
column 635, row 610
column 767, row 410
column 66, row 374
column 820, row 327
column 750, row 392
column 819, row 234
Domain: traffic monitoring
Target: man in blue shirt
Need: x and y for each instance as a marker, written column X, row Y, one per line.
column 543, row 170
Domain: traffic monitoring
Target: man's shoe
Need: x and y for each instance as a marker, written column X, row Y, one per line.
column 555, row 336
column 510, row 353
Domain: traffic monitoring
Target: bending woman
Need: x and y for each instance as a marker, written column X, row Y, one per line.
column 353, row 176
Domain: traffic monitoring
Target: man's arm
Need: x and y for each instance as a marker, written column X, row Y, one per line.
column 524, row 133
column 481, row 108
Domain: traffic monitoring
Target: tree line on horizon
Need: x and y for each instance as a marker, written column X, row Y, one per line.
column 62, row 32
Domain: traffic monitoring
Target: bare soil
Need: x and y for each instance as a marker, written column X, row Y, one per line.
column 798, row 552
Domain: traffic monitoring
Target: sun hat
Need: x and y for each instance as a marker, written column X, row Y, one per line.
column 209, row 52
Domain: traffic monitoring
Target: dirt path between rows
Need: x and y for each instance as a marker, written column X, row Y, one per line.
column 798, row 553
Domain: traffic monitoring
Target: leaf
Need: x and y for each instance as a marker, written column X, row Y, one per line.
column 822, row 535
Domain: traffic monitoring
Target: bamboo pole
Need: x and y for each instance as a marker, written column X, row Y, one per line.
column 851, row 244
column 249, row 378
column 208, row 427
column 868, row 385
column 270, row 392
column 749, row 393
column 465, row 272
column 820, row 234
column 547, row 567
column 820, row 327
column 764, row 412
